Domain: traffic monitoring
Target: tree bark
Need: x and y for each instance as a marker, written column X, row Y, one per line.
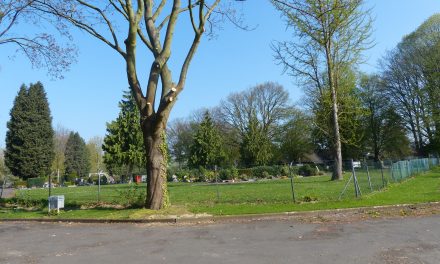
column 154, row 141
column 337, row 172
column 337, row 148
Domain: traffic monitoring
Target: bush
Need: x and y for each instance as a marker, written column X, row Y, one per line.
column 266, row 175
column 35, row 182
column 243, row 177
column 199, row 175
column 26, row 201
column 307, row 170
column 285, row 171
column 181, row 173
column 228, row 174
column 20, row 184
column 266, row 171
column 203, row 175
column 132, row 197
column 246, row 171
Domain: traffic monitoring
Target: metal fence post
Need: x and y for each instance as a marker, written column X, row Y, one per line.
column 216, row 183
column 356, row 186
column 400, row 170
column 381, row 171
column 291, row 183
column 368, row 175
column 50, row 184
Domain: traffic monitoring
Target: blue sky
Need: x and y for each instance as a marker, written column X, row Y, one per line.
column 87, row 97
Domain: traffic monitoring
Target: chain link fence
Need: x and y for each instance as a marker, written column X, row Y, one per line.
column 277, row 185
column 370, row 176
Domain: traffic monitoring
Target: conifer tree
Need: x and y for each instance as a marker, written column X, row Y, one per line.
column 29, row 139
column 256, row 147
column 77, row 160
column 123, row 143
column 206, row 150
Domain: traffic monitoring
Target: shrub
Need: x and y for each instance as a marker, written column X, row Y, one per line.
column 266, row 175
column 246, row 171
column 133, row 196
column 307, row 170
column 68, row 183
column 243, row 177
column 182, row 173
column 258, row 172
column 203, row 175
column 228, row 174
column 285, row 171
column 35, row 182
column 20, row 184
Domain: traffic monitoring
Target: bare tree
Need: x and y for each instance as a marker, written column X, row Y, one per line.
column 180, row 137
column 94, row 145
column 124, row 25
column 42, row 50
column 330, row 36
column 60, row 139
column 267, row 102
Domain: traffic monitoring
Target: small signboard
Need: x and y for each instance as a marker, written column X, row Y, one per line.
column 56, row 202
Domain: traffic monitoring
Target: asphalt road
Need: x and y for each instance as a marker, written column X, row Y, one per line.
column 406, row 240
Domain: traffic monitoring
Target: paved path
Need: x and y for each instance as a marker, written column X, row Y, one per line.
column 405, row 240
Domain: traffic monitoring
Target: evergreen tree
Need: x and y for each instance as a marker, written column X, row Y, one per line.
column 206, row 149
column 256, row 147
column 123, row 143
column 29, row 139
column 296, row 137
column 77, row 160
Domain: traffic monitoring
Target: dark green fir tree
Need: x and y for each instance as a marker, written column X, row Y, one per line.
column 255, row 148
column 77, row 161
column 29, row 139
column 123, row 143
column 206, row 149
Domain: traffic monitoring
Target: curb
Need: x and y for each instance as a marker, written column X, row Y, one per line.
column 224, row 219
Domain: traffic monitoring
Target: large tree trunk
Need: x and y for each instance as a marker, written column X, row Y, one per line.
column 157, row 193
column 337, row 148
column 337, row 172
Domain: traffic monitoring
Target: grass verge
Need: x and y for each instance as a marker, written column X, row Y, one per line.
column 315, row 193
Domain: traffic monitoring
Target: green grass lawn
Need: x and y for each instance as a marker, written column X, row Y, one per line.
column 271, row 196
